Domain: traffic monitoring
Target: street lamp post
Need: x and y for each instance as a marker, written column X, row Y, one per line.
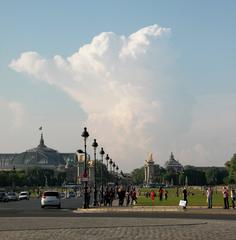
column 114, row 167
column 85, row 135
column 102, row 154
column 107, row 159
column 95, row 145
column 110, row 162
column 107, row 173
column 117, row 169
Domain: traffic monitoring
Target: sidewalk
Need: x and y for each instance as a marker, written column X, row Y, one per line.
column 176, row 209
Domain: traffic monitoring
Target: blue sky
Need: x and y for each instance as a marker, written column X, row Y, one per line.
column 196, row 107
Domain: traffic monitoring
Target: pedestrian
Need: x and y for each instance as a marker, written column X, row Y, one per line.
column 233, row 196
column 225, row 197
column 160, row 193
column 152, row 195
column 133, row 197
column 209, row 196
column 166, row 194
column 185, row 195
column 127, row 197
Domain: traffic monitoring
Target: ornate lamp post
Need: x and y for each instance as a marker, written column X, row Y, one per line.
column 114, row 167
column 95, row 145
column 110, row 162
column 102, row 154
column 107, row 159
column 85, row 135
column 117, row 169
column 107, row 174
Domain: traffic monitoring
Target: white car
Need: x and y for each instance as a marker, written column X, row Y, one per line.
column 24, row 195
column 50, row 198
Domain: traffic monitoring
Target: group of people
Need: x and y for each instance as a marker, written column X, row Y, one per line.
column 127, row 196
column 162, row 193
column 225, row 192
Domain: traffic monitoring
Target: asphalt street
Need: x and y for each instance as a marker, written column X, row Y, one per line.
column 26, row 220
column 31, row 208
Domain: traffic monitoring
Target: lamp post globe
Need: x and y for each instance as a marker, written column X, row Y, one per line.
column 110, row 162
column 102, row 190
column 107, row 159
column 85, row 135
column 95, row 145
column 114, row 166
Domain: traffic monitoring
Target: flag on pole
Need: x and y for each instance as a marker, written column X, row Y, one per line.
column 41, row 128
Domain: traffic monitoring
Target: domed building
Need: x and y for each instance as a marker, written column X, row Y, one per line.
column 173, row 165
column 40, row 156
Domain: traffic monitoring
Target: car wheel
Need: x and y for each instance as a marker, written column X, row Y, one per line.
column 59, row 206
column 42, row 206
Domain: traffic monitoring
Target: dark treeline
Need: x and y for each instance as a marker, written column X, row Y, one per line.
column 194, row 176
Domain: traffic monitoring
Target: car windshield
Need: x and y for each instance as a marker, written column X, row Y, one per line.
column 51, row 194
column 23, row 193
column 11, row 193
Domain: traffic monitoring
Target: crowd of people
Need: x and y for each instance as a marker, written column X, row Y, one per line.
column 126, row 196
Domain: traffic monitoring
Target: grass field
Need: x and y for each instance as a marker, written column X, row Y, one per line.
column 196, row 197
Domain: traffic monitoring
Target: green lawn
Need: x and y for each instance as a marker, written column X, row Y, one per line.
column 196, row 197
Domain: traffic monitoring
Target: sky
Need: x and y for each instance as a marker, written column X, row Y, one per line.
column 142, row 76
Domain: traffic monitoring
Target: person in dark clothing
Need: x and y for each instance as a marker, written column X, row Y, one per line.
column 166, row 194
column 161, row 193
column 226, row 197
column 185, row 195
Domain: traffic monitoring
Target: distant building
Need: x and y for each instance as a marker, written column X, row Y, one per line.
column 173, row 165
column 40, row 156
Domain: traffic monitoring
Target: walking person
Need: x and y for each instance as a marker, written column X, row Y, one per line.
column 166, row 194
column 233, row 197
column 185, row 195
column 225, row 197
column 152, row 194
column 209, row 196
column 161, row 193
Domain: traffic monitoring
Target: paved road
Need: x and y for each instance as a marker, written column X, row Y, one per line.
column 32, row 208
column 26, row 220
column 114, row 228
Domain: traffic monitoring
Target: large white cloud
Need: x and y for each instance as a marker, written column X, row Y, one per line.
column 135, row 104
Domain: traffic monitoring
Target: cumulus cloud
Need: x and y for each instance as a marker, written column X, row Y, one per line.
column 127, row 88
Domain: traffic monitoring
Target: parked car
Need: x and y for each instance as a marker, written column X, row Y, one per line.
column 12, row 196
column 51, row 198
column 3, row 197
column 24, row 195
column 71, row 195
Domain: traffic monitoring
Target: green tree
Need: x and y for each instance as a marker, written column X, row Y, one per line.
column 138, row 176
column 195, row 176
column 231, row 168
column 216, row 175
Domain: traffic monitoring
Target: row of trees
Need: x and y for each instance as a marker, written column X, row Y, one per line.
column 194, row 175
column 35, row 177
column 31, row 177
